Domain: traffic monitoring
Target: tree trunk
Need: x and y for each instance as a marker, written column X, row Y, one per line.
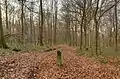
column 116, row 27
column 2, row 40
column 55, row 26
column 31, row 23
column 51, row 24
column 22, row 20
column 96, row 27
column 6, row 4
column 76, row 35
column 41, row 25
column 81, row 29
column 85, row 29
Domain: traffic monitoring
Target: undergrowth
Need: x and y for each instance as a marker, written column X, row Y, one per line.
column 103, row 55
column 15, row 45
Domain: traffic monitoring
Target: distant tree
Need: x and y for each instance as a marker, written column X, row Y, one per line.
column 67, row 20
column 51, row 23
column 22, row 17
column 31, row 22
column 55, row 23
column 83, row 25
column 6, row 7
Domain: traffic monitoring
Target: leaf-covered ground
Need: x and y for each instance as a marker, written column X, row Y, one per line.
column 42, row 65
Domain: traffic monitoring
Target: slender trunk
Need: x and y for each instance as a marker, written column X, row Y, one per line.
column 73, row 36
column 90, row 36
column 41, row 25
column 55, row 26
column 31, row 23
column 110, row 42
column 51, row 24
column 82, row 23
column 34, row 32
column 110, row 37
column 116, row 27
column 68, row 35
column 76, row 31
column 96, row 36
column 81, row 29
column 85, row 29
column 12, row 20
column 113, row 23
column 6, row 14
column 69, row 31
column 85, row 33
column 48, row 24
column 22, row 19
column 76, row 35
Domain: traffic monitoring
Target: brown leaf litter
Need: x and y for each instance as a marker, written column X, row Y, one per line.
column 42, row 65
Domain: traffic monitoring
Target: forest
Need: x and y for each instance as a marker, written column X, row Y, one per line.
column 59, row 39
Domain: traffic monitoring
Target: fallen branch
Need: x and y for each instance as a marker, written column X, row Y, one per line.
column 51, row 49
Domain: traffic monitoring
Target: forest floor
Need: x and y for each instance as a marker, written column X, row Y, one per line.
column 42, row 65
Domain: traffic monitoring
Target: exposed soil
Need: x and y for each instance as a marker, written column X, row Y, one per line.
column 42, row 65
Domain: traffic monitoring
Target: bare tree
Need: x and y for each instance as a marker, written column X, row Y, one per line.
column 96, row 25
column 2, row 40
column 116, row 27
column 50, row 14
column 41, row 24
column 22, row 18
column 55, row 25
column 6, row 7
column 31, row 22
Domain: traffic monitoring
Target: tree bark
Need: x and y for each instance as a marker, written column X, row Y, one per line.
column 22, row 20
column 41, row 25
column 2, row 40
column 96, row 27
column 31, row 23
column 85, row 29
column 6, row 4
column 55, row 26
column 116, row 27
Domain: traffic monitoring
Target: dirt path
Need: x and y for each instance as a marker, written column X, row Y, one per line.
column 43, row 66
column 76, row 67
